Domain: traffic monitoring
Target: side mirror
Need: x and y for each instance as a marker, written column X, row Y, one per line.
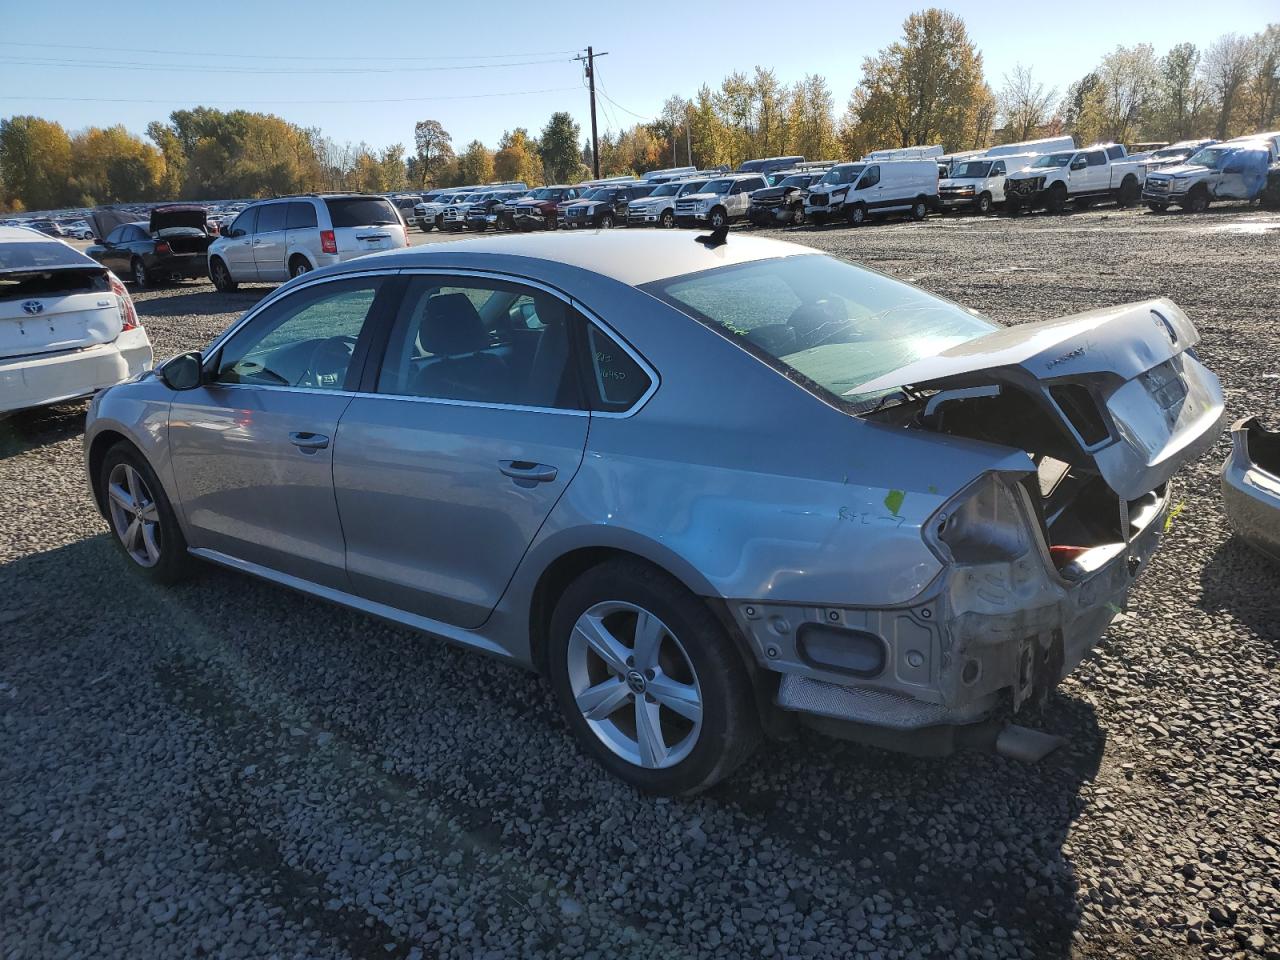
column 183, row 372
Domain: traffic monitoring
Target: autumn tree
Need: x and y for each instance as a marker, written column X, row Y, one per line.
column 35, row 162
column 707, row 131
column 433, row 151
column 812, row 123
column 517, row 158
column 1025, row 104
column 1263, row 86
column 926, row 88
column 475, row 163
column 112, row 165
column 1226, row 69
column 1180, row 94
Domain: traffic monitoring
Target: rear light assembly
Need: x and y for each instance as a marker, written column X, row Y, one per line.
column 328, row 242
column 163, row 249
column 128, row 315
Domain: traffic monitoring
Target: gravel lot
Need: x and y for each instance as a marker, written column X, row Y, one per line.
column 230, row 769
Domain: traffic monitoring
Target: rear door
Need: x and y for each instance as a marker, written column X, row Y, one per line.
column 463, row 438
column 269, row 246
column 366, row 225
column 302, row 232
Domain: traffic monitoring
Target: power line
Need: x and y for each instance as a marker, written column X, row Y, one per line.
column 199, row 68
column 274, row 56
column 241, row 103
column 605, row 94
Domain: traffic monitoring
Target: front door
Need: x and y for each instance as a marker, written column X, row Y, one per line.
column 237, row 249
column 253, row 448
column 446, row 475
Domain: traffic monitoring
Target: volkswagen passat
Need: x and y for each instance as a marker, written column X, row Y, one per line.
column 710, row 489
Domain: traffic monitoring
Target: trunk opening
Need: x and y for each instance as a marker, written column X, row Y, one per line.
column 185, row 241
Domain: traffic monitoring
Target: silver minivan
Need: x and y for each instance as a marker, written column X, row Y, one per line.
column 278, row 239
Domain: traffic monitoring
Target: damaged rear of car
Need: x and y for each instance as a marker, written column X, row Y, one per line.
column 1082, row 422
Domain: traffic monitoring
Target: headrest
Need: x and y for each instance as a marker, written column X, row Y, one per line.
column 451, row 326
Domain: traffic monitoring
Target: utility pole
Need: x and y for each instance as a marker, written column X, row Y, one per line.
column 590, row 60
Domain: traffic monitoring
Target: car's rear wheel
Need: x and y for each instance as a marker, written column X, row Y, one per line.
column 298, row 266
column 1129, row 192
column 141, row 275
column 142, row 519
column 648, row 680
column 919, row 209
column 221, row 276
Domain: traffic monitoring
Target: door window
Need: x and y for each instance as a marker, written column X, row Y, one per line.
column 116, row 235
column 243, row 224
column 485, row 341
column 272, row 217
column 618, row 381
column 301, row 216
column 997, row 169
column 1096, row 158
column 869, row 179
column 306, row 339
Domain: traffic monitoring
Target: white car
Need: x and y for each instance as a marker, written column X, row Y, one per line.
column 68, row 327
column 1097, row 173
column 721, row 200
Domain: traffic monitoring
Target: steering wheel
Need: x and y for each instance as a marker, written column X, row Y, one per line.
column 329, row 361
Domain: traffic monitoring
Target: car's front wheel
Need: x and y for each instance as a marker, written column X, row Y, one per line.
column 142, row 519
column 718, row 218
column 667, row 220
column 983, row 206
column 648, row 680
column 221, row 276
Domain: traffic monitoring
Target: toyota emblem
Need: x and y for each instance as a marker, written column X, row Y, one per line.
column 33, row 307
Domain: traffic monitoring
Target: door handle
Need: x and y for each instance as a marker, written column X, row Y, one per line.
column 309, row 441
column 527, row 471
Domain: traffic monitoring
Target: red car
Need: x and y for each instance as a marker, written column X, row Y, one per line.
column 541, row 209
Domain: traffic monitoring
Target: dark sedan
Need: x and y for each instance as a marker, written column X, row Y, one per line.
column 172, row 245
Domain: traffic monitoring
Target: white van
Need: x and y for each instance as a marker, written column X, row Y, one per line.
column 1037, row 147
column 855, row 191
column 978, row 183
column 907, row 153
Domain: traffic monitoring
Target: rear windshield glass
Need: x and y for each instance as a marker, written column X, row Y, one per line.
column 35, row 254
column 51, row 283
column 361, row 212
column 822, row 321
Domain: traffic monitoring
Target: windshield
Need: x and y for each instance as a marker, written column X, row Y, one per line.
column 974, row 169
column 1211, row 157
column 545, row 193
column 1166, row 154
column 1053, row 160
column 593, row 194
column 666, row 190
column 693, row 186
column 824, row 321
column 842, row 174
column 798, row 180
column 718, row 186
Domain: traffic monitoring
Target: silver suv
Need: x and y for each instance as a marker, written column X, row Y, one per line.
column 278, row 239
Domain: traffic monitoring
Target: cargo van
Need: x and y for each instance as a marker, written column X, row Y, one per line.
column 978, row 184
column 907, row 153
column 1038, row 147
column 855, row 191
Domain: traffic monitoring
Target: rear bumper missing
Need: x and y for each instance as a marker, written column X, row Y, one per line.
column 979, row 639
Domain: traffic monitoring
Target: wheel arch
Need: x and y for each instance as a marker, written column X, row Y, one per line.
column 98, row 447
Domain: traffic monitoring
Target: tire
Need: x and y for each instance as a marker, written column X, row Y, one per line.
column 983, row 205
column 298, row 266
column 606, row 221
column 440, row 222
column 1056, row 201
column 919, row 209
column 423, row 227
column 140, row 274
column 221, row 276
column 718, row 218
column 856, row 215
column 1270, row 196
column 714, row 726
column 668, row 220
column 797, row 215
column 1012, row 207
column 1197, row 200
column 1128, row 193
column 1157, row 207
column 1083, row 204
column 151, row 538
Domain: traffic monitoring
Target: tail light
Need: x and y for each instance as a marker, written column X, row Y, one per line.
column 128, row 315
column 328, row 242
column 163, row 249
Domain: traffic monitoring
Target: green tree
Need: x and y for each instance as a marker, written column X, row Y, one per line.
column 558, row 147
column 812, row 123
column 1180, row 94
column 711, row 139
column 175, row 159
column 35, row 163
column 517, row 158
column 926, row 88
column 475, row 163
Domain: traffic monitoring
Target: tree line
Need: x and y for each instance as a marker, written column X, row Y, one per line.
column 929, row 86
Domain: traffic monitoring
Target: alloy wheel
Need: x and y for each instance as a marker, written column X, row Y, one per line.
column 635, row 685
column 135, row 516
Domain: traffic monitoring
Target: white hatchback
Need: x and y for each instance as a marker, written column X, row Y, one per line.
column 68, row 327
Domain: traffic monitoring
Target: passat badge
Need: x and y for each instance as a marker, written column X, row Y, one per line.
column 33, row 307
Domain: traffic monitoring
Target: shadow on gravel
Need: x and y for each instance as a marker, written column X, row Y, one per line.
column 28, row 430
column 1239, row 581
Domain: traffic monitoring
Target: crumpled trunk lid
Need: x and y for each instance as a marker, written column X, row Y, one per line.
column 1124, row 382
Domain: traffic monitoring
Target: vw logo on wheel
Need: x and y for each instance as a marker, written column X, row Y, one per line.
column 636, row 681
column 33, row 307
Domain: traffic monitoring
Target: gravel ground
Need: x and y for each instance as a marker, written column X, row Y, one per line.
column 230, row 769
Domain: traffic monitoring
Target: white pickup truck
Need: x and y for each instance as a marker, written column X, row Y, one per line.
column 1091, row 174
column 1236, row 170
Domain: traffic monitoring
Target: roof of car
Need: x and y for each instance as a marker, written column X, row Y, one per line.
column 633, row 258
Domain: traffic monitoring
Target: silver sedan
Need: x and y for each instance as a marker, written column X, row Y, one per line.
column 711, row 488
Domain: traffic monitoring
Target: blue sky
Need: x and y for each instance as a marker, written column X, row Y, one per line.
column 481, row 68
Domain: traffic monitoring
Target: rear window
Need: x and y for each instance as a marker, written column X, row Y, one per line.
column 824, row 322
column 360, row 212
column 21, row 284
column 36, row 254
